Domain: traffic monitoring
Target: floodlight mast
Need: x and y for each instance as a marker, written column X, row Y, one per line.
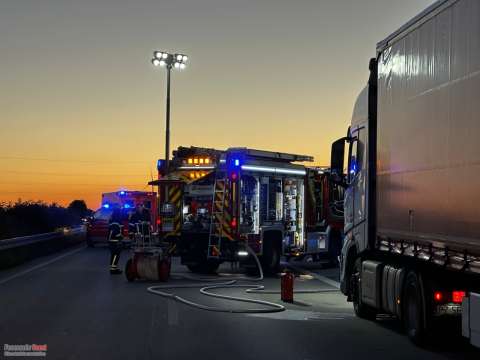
column 169, row 61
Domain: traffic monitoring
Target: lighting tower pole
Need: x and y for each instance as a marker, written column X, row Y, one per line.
column 168, row 61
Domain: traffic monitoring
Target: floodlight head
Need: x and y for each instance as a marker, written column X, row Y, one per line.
column 165, row 59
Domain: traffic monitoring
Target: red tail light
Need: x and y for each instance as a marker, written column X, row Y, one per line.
column 444, row 297
column 159, row 221
column 438, row 296
column 457, row 296
column 233, row 223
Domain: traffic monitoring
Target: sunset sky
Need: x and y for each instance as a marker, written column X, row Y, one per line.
column 82, row 110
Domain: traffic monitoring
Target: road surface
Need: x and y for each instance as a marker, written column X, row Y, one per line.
column 70, row 302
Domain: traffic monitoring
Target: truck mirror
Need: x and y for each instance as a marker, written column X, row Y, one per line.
column 337, row 160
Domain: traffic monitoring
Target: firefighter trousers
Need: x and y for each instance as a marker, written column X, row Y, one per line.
column 115, row 250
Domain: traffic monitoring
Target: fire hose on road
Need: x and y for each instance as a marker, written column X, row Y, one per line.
column 206, row 286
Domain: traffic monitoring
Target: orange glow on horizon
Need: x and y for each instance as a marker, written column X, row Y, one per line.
column 87, row 115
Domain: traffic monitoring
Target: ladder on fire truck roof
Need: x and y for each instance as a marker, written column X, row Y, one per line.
column 218, row 217
column 271, row 155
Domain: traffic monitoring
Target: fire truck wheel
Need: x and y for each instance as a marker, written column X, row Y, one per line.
column 129, row 271
column 207, row 267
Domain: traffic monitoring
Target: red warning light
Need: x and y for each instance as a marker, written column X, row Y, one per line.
column 233, row 176
column 233, row 223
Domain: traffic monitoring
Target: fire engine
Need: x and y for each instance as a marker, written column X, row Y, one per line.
column 215, row 203
column 323, row 218
column 97, row 226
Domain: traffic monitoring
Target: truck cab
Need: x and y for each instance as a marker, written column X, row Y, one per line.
column 351, row 168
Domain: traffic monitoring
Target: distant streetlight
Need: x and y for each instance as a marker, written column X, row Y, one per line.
column 168, row 61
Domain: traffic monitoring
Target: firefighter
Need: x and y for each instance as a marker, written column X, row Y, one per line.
column 140, row 216
column 115, row 238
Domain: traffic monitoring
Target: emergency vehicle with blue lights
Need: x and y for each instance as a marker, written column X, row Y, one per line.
column 214, row 204
column 126, row 200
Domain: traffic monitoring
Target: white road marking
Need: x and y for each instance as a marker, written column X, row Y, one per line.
column 39, row 266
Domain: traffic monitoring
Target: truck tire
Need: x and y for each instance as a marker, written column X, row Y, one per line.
column 414, row 308
column 206, row 267
column 270, row 260
column 361, row 310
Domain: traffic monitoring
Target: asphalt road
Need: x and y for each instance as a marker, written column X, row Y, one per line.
column 70, row 302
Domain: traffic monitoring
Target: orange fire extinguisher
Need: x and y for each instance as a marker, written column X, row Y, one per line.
column 286, row 281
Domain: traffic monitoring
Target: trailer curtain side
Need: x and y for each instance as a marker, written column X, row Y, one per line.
column 428, row 157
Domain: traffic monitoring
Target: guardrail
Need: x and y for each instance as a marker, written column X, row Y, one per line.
column 20, row 249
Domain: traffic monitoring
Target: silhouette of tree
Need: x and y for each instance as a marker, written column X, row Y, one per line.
column 79, row 208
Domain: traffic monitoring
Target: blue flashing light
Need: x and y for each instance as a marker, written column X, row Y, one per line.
column 106, row 206
column 122, row 192
column 126, row 206
column 237, row 162
column 160, row 164
column 353, row 168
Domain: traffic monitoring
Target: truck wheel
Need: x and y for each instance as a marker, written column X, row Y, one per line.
column 361, row 310
column 130, row 271
column 271, row 257
column 413, row 308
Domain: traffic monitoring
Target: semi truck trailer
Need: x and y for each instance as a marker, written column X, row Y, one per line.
column 412, row 218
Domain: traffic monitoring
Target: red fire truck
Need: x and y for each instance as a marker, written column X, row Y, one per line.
column 213, row 203
column 323, row 218
column 97, row 227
